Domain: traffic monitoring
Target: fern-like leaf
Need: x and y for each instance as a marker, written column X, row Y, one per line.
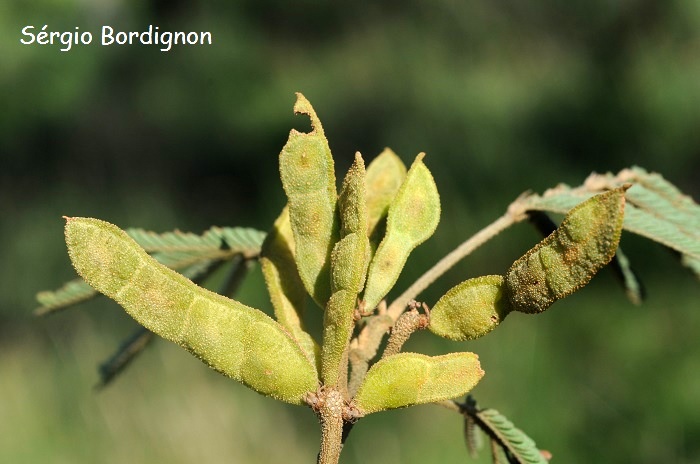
column 236, row 240
column 77, row 291
column 693, row 264
column 518, row 447
column 655, row 209
column 629, row 279
column 71, row 293
column 472, row 436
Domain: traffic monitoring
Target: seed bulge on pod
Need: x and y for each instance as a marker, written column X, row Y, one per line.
column 567, row 259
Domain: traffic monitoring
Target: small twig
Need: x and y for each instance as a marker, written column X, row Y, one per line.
column 127, row 351
column 515, row 214
column 364, row 346
column 405, row 325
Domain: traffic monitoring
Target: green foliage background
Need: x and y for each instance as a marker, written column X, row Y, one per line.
column 504, row 96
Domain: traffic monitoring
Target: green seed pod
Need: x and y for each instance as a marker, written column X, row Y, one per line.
column 406, row 379
column 284, row 284
column 385, row 174
column 413, row 215
column 236, row 340
column 348, row 269
column 306, row 170
column 567, row 259
column 470, row 309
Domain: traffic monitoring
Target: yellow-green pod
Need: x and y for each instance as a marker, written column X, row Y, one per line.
column 236, row 340
column 470, row 309
column 337, row 329
column 284, row 284
column 567, row 259
column 348, row 270
column 413, row 215
column 385, row 174
column 306, row 170
column 406, row 379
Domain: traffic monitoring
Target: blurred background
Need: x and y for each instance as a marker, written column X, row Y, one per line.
column 504, row 96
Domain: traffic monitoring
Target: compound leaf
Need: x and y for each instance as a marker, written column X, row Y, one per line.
column 655, row 208
column 71, row 293
column 234, row 240
column 518, row 445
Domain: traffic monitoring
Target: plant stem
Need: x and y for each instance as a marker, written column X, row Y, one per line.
column 405, row 325
column 364, row 347
column 452, row 258
column 331, row 416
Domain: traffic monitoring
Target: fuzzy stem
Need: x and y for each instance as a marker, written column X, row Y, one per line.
column 331, row 417
column 405, row 325
column 364, row 347
column 452, row 258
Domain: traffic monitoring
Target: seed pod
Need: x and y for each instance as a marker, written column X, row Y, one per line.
column 348, row 269
column 284, row 284
column 385, row 174
column 306, row 170
column 470, row 309
column 567, row 259
column 406, row 379
column 413, row 215
column 236, row 340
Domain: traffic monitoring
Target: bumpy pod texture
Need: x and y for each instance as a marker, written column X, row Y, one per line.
column 286, row 290
column 470, row 309
column 414, row 214
column 406, row 379
column 236, row 340
column 306, row 170
column 568, row 258
column 348, row 269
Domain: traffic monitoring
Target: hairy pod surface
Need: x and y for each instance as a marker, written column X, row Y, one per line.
column 406, row 379
column 306, row 170
column 236, row 340
column 470, row 309
column 568, row 258
column 385, row 174
column 348, row 269
column 413, row 215
column 284, row 284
